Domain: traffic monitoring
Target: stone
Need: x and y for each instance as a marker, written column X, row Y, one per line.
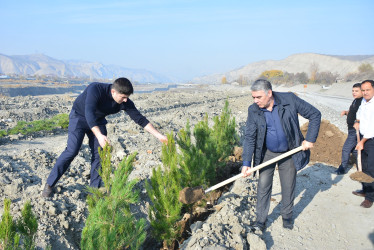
column 52, row 210
column 4, row 180
column 65, row 224
column 195, row 226
column 237, row 229
column 255, row 242
column 206, row 227
column 12, row 188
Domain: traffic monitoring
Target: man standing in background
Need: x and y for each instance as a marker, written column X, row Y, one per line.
column 365, row 122
column 351, row 141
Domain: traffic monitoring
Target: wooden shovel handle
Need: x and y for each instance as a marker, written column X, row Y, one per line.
column 264, row 164
column 359, row 166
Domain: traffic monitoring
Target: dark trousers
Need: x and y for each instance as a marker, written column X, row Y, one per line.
column 349, row 147
column 78, row 128
column 367, row 159
column 287, row 175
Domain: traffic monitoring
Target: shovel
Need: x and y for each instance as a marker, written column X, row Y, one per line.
column 359, row 175
column 190, row 195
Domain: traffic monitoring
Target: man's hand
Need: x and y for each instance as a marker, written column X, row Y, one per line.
column 103, row 140
column 344, row 113
column 246, row 171
column 307, row 145
column 163, row 139
column 357, row 126
column 360, row 144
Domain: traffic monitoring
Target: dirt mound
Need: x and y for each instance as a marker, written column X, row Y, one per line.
column 328, row 147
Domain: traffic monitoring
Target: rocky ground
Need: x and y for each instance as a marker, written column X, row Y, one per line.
column 327, row 215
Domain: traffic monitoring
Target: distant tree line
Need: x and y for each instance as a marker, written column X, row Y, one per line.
column 364, row 71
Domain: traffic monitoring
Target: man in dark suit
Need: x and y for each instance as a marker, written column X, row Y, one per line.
column 273, row 128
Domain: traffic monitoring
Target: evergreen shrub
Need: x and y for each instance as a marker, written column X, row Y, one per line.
column 12, row 232
column 24, row 128
column 195, row 164
column 163, row 191
column 110, row 224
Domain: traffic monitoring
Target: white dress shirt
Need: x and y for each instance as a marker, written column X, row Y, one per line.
column 366, row 116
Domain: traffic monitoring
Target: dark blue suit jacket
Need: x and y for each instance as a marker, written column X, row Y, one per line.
column 96, row 102
column 289, row 106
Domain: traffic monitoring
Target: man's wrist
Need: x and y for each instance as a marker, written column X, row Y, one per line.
column 357, row 121
column 246, row 164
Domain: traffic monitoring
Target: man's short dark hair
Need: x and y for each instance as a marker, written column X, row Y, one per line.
column 261, row 84
column 371, row 82
column 123, row 86
column 357, row 85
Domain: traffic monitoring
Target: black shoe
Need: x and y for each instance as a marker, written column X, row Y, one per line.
column 47, row 191
column 360, row 193
column 340, row 170
column 288, row 223
column 258, row 227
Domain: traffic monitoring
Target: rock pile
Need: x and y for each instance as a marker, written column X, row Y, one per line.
column 230, row 226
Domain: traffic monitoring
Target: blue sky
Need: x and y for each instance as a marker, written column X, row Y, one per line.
column 185, row 39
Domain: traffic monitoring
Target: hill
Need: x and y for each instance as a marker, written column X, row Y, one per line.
column 40, row 64
column 296, row 63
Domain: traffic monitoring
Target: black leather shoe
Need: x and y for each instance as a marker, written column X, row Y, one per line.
column 258, row 227
column 288, row 223
column 366, row 204
column 360, row 193
column 340, row 170
column 47, row 191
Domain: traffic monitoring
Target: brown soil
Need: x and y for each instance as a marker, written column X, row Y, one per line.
column 329, row 144
column 361, row 177
column 202, row 205
column 190, row 195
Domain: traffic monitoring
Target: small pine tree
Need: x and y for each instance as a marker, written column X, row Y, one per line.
column 7, row 228
column 28, row 226
column 192, row 160
column 163, row 191
column 224, row 133
column 195, row 165
column 206, row 145
column 199, row 162
column 106, row 167
column 110, row 224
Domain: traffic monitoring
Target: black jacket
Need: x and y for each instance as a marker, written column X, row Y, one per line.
column 289, row 106
column 351, row 116
column 96, row 102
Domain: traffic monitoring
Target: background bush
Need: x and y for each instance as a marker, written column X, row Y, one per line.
column 24, row 128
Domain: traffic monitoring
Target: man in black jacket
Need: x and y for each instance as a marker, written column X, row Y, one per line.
column 87, row 117
column 273, row 128
column 351, row 141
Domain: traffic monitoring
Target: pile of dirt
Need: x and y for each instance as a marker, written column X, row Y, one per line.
column 329, row 144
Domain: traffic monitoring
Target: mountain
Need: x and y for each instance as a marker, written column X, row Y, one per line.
column 340, row 65
column 40, row 64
